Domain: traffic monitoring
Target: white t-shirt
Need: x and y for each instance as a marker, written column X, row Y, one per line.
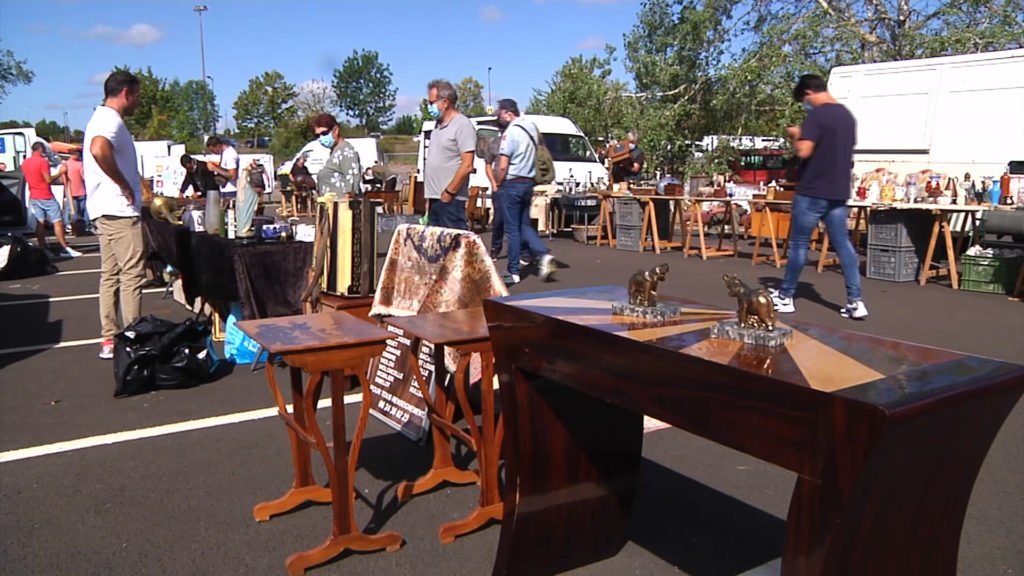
column 229, row 161
column 103, row 195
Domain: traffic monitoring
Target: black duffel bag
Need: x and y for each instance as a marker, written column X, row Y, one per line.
column 157, row 354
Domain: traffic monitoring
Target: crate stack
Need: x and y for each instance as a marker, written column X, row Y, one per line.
column 629, row 217
column 996, row 274
column 897, row 240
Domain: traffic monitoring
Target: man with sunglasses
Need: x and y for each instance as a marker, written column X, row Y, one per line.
column 449, row 158
column 342, row 174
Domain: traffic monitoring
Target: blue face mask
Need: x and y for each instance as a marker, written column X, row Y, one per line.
column 807, row 106
column 433, row 111
column 327, row 140
column 632, row 146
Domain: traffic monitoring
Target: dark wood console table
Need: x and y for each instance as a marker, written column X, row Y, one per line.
column 886, row 437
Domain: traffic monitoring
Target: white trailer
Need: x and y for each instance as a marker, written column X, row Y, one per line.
column 953, row 114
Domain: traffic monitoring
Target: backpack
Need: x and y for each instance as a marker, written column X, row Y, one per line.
column 544, row 164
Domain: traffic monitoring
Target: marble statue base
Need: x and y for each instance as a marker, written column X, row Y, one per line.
column 731, row 330
column 657, row 312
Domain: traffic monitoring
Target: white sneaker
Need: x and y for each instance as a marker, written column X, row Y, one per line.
column 511, row 279
column 69, row 251
column 782, row 304
column 546, row 269
column 854, row 310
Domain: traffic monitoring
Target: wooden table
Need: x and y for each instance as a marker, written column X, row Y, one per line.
column 697, row 222
column 341, row 345
column 886, row 437
column 465, row 331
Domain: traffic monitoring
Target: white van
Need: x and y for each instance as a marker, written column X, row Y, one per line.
column 15, row 146
column 573, row 156
column 316, row 155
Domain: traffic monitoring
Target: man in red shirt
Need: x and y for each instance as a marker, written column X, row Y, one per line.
column 74, row 185
column 44, row 205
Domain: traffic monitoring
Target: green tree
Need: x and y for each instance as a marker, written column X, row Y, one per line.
column 12, row 73
column 471, row 97
column 266, row 102
column 365, row 90
column 50, row 130
column 289, row 137
column 315, row 97
column 407, row 124
column 195, row 110
column 583, row 90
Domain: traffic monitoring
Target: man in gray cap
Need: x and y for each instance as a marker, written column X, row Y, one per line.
column 515, row 178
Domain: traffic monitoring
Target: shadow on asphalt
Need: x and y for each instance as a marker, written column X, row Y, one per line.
column 699, row 530
column 36, row 316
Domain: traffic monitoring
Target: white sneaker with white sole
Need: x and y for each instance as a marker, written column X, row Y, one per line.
column 854, row 310
column 782, row 304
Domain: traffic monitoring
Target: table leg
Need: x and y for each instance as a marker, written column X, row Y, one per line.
column 773, row 239
column 954, row 278
column 304, row 487
column 700, row 231
column 881, row 474
column 926, row 267
column 650, row 217
column 340, row 468
column 571, row 466
column 491, row 507
column 443, row 468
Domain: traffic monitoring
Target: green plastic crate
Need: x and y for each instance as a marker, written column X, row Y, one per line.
column 992, row 274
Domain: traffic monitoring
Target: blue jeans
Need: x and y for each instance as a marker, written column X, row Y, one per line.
column 80, row 211
column 516, row 197
column 807, row 212
column 497, row 223
column 447, row 214
column 46, row 210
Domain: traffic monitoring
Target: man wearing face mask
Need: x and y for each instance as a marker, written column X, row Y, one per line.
column 449, row 158
column 824, row 144
column 630, row 169
column 342, row 174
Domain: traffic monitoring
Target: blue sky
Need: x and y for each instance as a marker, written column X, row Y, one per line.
column 72, row 44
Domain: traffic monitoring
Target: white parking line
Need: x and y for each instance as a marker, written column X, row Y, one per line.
column 163, row 430
column 68, row 344
column 66, row 298
column 90, row 271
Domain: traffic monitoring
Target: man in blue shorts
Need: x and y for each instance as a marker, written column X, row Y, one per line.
column 44, row 206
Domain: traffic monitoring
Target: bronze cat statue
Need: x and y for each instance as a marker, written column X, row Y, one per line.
column 755, row 304
column 643, row 286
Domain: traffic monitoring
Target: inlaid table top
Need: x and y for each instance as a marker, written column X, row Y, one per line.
column 817, row 357
column 445, row 328
column 308, row 332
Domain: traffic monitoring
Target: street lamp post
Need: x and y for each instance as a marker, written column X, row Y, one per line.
column 199, row 9
column 488, row 86
column 213, row 90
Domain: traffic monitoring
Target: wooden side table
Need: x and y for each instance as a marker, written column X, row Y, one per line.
column 465, row 331
column 341, row 345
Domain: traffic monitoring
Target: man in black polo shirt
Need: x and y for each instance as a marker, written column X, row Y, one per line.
column 824, row 144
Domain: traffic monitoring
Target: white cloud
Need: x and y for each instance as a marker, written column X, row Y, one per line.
column 405, row 104
column 491, row 14
column 592, row 43
column 138, row 35
column 99, row 78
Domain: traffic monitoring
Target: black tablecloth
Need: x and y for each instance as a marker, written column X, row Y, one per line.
column 267, row 278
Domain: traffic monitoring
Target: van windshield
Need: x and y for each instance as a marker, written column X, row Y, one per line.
column 569, row 148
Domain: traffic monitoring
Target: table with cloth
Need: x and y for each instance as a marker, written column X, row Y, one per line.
column 267, row 278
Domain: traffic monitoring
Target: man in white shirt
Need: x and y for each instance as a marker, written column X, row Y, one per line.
column 226, row 169
column 113, row 199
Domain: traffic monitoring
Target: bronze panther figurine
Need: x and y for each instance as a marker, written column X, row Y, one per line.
column 755, row 304
column 643, row 286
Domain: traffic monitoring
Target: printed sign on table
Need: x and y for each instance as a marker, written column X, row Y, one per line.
column 395, row 393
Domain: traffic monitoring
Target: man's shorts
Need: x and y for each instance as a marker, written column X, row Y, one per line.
column 48, row 210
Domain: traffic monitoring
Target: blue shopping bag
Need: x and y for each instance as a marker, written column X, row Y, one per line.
column 238, row 347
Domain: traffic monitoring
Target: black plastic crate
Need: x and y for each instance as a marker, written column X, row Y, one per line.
column 628, row 212
column 627, row 237
column 893, row 264
column 899, row 228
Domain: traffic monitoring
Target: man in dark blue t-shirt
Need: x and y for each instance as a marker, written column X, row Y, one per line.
column 824, row 144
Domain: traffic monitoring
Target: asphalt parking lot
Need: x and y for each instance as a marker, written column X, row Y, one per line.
column 164, row 483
